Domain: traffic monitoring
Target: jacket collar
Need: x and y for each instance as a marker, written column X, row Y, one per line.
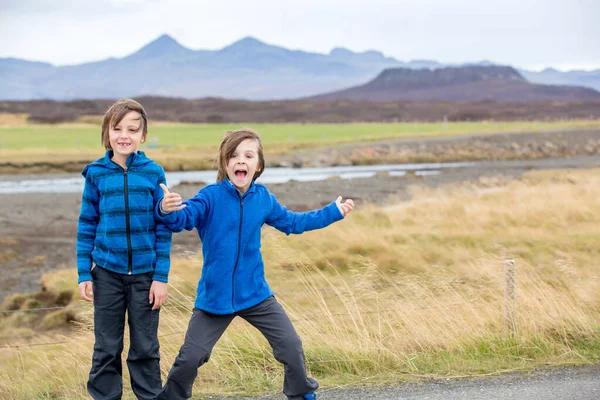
column 230, row 187
column 134, row 160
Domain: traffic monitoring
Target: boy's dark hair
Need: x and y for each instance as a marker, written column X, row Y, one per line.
column 230, row 142
column 116, row 113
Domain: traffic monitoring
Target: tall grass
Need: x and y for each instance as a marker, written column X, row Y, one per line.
column 403, row 294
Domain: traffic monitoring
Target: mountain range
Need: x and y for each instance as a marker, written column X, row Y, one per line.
column 252, row 70
column 467, row 84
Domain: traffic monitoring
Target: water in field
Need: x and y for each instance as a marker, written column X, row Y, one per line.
column 73, row 183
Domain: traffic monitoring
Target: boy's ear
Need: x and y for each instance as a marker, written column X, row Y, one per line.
column 144, row 137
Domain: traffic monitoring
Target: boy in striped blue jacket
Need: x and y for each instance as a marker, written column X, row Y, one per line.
column 123, row 255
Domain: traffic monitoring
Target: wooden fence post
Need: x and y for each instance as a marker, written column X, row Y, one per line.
column 510, row 292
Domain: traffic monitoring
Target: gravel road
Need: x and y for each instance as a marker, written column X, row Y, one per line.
column 573, row 383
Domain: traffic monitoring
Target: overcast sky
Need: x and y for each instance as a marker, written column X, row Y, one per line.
column 533, row 34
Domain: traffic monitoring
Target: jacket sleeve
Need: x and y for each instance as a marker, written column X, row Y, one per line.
column 163, row 239
column 86, row 229
column 288, row 221
column 192, row 216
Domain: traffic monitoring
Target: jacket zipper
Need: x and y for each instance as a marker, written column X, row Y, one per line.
column 127, row 225
column 237, row 258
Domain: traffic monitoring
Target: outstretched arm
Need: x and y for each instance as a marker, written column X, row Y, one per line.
column 178, row 216
column 292, row 222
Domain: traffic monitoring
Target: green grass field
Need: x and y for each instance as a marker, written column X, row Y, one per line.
column 35, row 148
column 87, row 136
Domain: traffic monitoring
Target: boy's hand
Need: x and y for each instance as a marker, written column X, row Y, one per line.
column 171, row 201
column 158, row 294
column 345, row 207
column 85, row 290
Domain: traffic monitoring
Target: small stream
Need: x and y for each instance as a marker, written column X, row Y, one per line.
column 73, row 183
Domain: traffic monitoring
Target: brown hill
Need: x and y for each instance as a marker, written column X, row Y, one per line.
column 471, row 83
column 211, row 110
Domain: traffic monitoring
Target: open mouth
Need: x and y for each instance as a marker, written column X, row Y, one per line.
column 124, row 145
column 240, row 173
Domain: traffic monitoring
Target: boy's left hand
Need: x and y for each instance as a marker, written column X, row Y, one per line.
column 345, row 207
column 158, row 294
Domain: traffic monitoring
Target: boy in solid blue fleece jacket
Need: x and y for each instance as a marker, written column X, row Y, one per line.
column 125, row 253
column 229, row 216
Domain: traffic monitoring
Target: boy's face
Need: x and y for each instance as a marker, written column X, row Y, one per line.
column 126, row 136
column 242, row 164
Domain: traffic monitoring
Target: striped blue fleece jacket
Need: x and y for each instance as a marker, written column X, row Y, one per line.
column 116, row 228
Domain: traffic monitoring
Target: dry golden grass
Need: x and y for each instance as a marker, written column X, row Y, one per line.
column 13, row 120
column 413, row 292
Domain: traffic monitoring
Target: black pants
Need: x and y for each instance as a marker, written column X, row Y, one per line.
column 205, row 329
column 114, row 294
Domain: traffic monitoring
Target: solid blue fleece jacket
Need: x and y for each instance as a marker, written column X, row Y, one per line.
column 117, row 229
column 229, row 225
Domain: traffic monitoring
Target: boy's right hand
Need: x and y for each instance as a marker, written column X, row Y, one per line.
column 171, row 201
column 85, row 290
column 346, row 207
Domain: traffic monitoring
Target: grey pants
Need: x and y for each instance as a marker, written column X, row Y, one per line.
column 115, row 294
column 204, row 330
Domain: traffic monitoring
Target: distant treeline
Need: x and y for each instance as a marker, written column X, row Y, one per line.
column 214, row 110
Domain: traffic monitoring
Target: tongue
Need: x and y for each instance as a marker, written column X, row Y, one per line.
column 240, row 174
